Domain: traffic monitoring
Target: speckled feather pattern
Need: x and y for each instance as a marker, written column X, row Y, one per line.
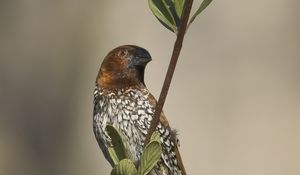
column 130, row 111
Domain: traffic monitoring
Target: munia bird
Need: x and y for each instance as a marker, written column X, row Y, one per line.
column 122, row 99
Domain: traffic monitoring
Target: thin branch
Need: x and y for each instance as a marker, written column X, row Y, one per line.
column 171, row 69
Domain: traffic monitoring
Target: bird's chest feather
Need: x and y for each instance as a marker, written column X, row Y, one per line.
column 127, row 110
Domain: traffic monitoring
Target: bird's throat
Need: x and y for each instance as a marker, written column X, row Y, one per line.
column 119, row 81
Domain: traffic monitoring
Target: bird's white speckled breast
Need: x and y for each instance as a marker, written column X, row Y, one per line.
column 127, row 110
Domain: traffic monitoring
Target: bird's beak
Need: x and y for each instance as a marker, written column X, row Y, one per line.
column 140, row 57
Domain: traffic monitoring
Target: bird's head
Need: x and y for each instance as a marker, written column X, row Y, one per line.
column 124, row 66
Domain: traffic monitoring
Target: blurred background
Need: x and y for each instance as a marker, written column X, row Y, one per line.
column 235, row 96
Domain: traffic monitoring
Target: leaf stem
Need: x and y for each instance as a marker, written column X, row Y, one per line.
column 171, row 69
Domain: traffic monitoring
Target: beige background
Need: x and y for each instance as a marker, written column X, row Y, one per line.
column 235, row 97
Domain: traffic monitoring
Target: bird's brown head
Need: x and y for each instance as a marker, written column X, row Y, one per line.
column 123, row 67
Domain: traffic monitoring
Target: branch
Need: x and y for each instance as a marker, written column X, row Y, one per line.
column 171, row 69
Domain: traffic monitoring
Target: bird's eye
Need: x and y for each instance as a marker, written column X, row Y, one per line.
column 123, row 53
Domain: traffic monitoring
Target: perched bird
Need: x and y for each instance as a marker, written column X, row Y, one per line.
column 122, row 99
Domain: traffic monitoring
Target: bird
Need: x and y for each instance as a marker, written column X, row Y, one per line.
column 121, row 99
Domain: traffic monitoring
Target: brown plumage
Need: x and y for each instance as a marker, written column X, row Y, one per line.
column 121, row 99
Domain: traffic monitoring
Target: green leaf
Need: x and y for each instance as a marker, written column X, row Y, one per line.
column 203, row 5
column 124, row 167
column 179, row 4
column 150, row 157
column 161, row 11
column 113, row 155
column 117, row 151
column 155, row 137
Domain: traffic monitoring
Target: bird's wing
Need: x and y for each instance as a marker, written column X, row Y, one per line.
column 175, row 140
column 99, row 131
column 172, row 151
